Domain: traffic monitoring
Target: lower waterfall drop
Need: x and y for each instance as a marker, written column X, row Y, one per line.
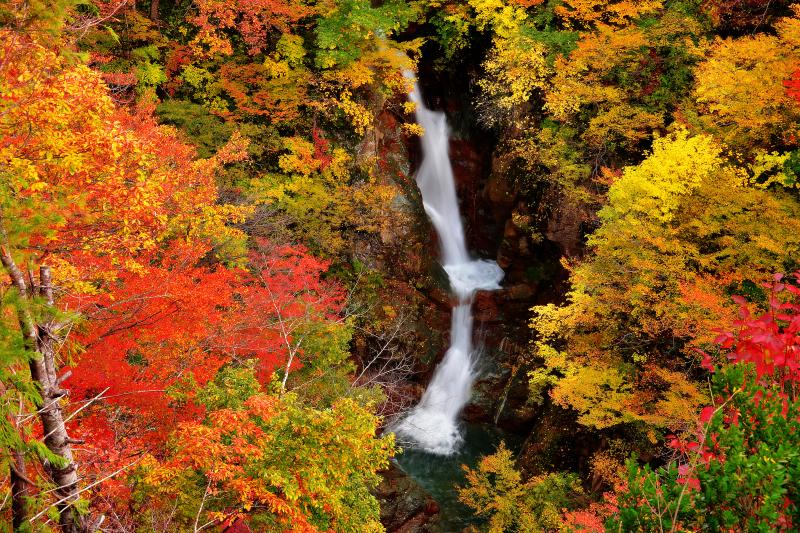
column 433, row 424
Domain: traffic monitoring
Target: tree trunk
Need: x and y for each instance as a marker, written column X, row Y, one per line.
column 56, row 436
column 154, row 5
column 19, row 490
column 55, row 430
column 42, row 338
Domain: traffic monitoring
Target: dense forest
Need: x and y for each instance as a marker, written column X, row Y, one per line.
column 222, row 288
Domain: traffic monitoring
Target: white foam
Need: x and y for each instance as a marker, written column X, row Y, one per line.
column 481, row 275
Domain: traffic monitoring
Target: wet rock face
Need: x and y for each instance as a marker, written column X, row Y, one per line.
column 399, row 248
column 470, row 161
column 500, row 394
column 413, row 288
column 405, row 506
column 566, row 227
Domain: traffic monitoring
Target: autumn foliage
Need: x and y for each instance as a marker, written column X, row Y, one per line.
column 200, row 206
column 271, row 461
column 156, row 293
column 738, row 467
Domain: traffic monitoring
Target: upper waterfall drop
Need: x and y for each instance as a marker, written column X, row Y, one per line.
column 433, row 424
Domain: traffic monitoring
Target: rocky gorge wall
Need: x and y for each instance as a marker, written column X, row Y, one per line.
column 501, row 224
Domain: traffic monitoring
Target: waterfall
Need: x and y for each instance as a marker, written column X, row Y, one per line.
column 433, row 424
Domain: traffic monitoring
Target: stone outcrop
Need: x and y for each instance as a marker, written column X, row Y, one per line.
column 405, row 506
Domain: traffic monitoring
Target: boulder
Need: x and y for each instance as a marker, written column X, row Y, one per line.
column 405, row 506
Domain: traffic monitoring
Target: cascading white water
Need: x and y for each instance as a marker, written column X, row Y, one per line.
column 433, row 424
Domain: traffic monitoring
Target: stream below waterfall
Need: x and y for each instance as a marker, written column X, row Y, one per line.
column 440, row 474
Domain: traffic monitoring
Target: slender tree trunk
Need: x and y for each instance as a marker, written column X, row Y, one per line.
column 18, row 477
column 55, row 430
column 154, row 5
column 19, row 490
column 42, row 338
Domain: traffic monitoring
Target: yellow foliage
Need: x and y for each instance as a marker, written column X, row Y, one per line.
column 740, row 87
column 768, row 169
column 72, row 280
column 360, row 117
column 677, row 166
column 547, row 320
column 680, row 230
column 622, row 124
column 290, row 49
column 591, row 13
column 338, row 168
column 503, row 18
column 788, row 28
column 459, row 19
column 600, row 395
column 517, row 65
column 514, row 69
column 546, row 156
column 579, row 78
column 280, row 461
column 321, row 198
column 358, row 88
column 300, row 159
column 356, row 74
column 607, row 467
column 495, row 490
column 412, row 128
column 616, row 80
column 672, row 408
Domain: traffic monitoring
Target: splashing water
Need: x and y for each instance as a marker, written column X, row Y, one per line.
column 433, row 424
